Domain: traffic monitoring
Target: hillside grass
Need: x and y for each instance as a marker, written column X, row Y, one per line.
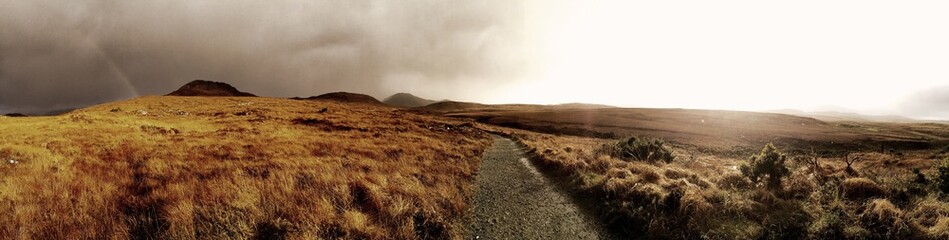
column 715, row 131
column 235, row 168
column 701, row 196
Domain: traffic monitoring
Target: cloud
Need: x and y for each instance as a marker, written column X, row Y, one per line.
column 56, row 54
column 928, row 104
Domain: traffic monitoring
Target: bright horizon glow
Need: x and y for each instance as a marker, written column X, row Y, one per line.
column 862, row 56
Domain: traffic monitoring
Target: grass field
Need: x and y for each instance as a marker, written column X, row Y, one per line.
column 703, row 195
column 265, row 168
column 235, row 168
column 708, row 130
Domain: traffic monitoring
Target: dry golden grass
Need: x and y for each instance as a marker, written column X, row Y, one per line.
column 862, row 188
column 235, row 168
column 704, row 196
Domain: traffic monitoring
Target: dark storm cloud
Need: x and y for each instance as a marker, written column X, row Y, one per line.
column 60, row 54
column 931, row 104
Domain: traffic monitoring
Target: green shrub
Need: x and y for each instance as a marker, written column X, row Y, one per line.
column 766, row 165
column 831, row 222
column 639, row 149
column 942, row 175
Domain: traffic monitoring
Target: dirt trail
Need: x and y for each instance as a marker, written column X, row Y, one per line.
column 515, row 201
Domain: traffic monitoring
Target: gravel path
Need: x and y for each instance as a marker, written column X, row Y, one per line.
column 515, row 201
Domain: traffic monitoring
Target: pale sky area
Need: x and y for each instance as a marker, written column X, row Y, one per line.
column 868, row 57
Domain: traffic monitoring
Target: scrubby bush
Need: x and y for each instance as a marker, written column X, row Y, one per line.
column 639, row 149
column 885, row 220
column 831, row 222
column 920, row 177
column 942, row 175
column 769, row 165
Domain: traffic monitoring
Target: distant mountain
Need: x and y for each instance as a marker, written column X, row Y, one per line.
column 57, row 112
column 448, row 106
column 38, row 113
column 407, row 100
column 454, row 106
column 345, row 97
column 835, row 116
column 210, row 89
column 582, row 106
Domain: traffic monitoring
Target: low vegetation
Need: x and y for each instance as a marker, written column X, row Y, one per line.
column 768, row 165
column 716, row 197
column 942, row 175
column 639, row 149
column 235, row 168
column 711, row 131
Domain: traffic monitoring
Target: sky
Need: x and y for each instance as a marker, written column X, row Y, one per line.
column 869, row 57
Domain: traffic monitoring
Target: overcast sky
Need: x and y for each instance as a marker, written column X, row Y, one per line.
column 871, row 57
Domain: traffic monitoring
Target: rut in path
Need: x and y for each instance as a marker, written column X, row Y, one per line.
column 515, row 201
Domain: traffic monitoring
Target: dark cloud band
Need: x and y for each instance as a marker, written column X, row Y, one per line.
column 76, row 53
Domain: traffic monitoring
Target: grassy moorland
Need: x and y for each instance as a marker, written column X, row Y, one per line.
column 708, row 130
column 705, row 195
column 235, row 168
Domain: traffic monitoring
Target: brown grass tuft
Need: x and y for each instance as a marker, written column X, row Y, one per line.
column 799, row 185
column 694, row 203
column 929, row 212
column 940, row 230
column 862, row 188
column 648, row 173
column 884, row 219
column 733, row 181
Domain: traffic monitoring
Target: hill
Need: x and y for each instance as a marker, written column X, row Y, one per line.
column 407, row 100
column 704, row 128
column 57, row 112
column 236, row 168
column 832, row 116
column 581, row 106
column 457, row 107
column 448, row 106
column 209, row 89
column 345, row 97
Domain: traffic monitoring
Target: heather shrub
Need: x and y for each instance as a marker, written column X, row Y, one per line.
column 942, row 175
column 639, row 149
column 767, row 165
column 831, row 223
